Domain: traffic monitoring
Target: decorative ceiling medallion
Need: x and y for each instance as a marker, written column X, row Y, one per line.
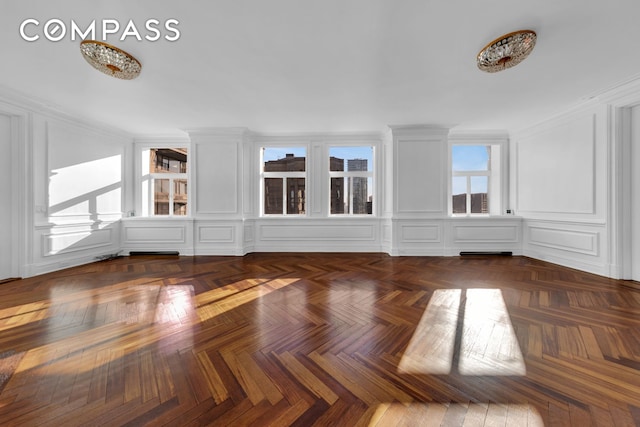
column 506, row 51
column 110, row 60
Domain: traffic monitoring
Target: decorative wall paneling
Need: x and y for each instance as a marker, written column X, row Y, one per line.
column 563, row 189
column 450, row 236
column 220, row 237
column 156, row 234
column 318, row 235
column 13, row 183
column 565, row 181
column 77, row 193
column 578, row 245
column 420, row 171
column 633, row 175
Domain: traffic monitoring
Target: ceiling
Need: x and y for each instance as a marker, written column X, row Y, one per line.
column 323, row 65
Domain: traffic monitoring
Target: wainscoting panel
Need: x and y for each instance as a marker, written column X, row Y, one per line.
column 224, row 237
column 66, row 242
column 420, row 233
column 175, row 234
column 574, row 241
column 485, row 233
column 141, row 234
column 216, row 234
column 69, row 245
column 572, row 244
column 330, row 235
column 450, row 236
column 418, row 237
column 317, row 232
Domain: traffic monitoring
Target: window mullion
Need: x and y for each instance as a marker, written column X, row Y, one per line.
column 350, row 179
column 171, row 190
column 151, row 195
column 468, row 194
column 285, row 200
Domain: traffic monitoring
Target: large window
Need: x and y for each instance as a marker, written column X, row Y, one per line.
column 351, row 180
column 168, row 181
column 475, row 179
column 284, row 180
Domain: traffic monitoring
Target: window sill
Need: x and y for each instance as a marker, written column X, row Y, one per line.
column 481, row 217
column 158, row 218
column 303, row 217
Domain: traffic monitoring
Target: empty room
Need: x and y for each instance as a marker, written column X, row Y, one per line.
column 320, row 213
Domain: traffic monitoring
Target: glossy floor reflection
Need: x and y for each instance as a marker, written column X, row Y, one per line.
column 319, row 339
column 466, row 331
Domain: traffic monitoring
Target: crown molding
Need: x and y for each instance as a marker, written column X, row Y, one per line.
column 419, row 131
column 217, row 131
column 469, row 135
column 162, row 140
column 317, row 136
column 51, row 110
column 621, row 94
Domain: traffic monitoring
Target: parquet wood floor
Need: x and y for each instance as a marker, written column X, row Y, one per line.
column 320, row 339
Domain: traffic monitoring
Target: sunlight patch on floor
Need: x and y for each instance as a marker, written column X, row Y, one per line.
column 430, row 350
column 221, row 300
column 467, row 414
column 471, row 326
column 489, row 343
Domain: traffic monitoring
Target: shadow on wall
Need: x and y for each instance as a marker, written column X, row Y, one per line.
column 84, row 200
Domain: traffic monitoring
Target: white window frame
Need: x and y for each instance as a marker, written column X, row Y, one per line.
column 172, row 178
column 497, row 173
column 352, row 174
column 146, row 180
column 284, row 176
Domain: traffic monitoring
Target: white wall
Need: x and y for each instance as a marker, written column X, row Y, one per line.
column 318, row 231
column 6, row 220
column 13, row 171
column 420, row 176
column 560, row 183
column 81, row 180
column 63, row 181
column 77, row 192
column 410, row 202
column 218, row 198
column 419, row 187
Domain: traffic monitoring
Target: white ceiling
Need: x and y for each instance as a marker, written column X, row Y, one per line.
column 324, row 65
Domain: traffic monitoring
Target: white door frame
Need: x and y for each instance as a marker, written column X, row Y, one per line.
column 634, row 194
column 19, row 184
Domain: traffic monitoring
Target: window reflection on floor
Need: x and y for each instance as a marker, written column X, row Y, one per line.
column 480, row 414
column 430, row 350
column 470, row 326
column 489, row 343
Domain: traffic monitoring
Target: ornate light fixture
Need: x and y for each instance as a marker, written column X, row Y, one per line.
column 506, row 51
column 110, row 60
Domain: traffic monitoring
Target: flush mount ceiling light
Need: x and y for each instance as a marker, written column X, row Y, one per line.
column 506, row 51
column 110, row 60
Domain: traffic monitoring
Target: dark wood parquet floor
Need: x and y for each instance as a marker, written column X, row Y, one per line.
column 320, row 339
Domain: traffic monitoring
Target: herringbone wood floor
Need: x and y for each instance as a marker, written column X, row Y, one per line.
column 320, row 339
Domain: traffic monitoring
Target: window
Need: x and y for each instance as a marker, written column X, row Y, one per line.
column 168, row 179
column 351, row 180
column 475, row 179
column 284, row 180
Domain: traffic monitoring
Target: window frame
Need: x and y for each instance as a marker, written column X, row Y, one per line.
column 145, row 197
column 284, row 175
column 351, row 174
column 497, row 175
